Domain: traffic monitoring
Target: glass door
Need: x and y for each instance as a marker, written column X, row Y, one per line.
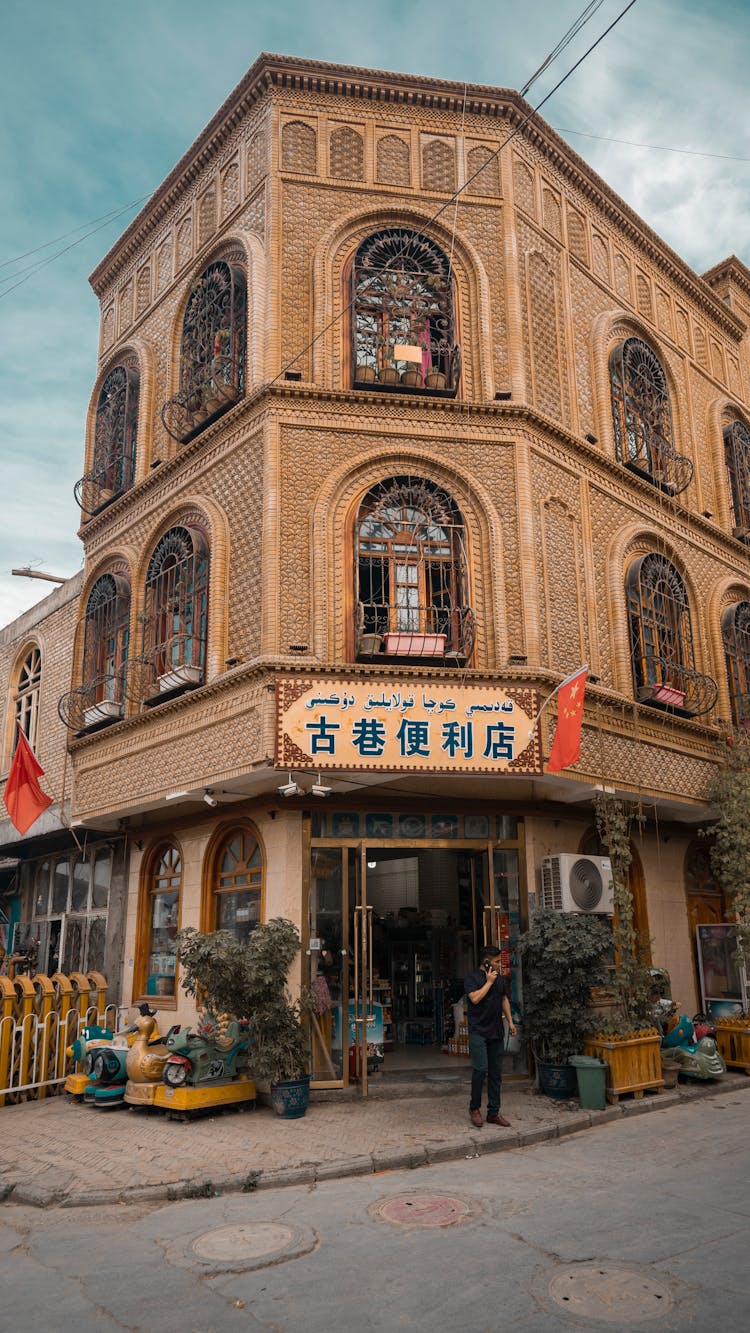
column 328, row 953
column 361, row 1006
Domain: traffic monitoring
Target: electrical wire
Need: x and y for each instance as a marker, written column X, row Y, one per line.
column 573, row 31
column 654, row 147
column 103, row 217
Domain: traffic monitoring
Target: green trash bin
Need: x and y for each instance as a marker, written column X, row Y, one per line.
column 592, row 1078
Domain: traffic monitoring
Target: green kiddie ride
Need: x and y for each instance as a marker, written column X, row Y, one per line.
column 206, row 1068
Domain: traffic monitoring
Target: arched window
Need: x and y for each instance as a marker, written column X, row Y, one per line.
column 661, row 639
column 735, row 631
column 159, row 922
column 26, row 697
column 212, row 351
column 642, row 418
column 176, row 609
column 412, row 586
column 105, row 648
column 115, row 434
column 237, row 883
column 403, row 326
column 737, row 458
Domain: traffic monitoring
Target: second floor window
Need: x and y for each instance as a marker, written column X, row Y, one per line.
column 176, row 609
column 403, row 326
column 212, row 351
column 737, row 458
column 238, row 883
column 412, row 594
column 105, row 648
column 642, row 418
column 26, row 700
column 735, row 630
column 661, row 638
column 115, row 432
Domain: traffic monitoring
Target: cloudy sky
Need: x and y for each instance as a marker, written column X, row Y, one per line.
column 99, row 100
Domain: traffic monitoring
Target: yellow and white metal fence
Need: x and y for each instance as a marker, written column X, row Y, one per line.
column 40, row 1017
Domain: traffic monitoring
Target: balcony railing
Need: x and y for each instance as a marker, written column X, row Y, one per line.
column 106, row 480
column 439, row 380
column 670, row 685
column 94, row 705
column 167, row 669
column 386, row 633
column 654, row 458
column 207, row 397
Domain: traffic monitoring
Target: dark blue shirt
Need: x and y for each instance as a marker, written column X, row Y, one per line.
column 485, row 1018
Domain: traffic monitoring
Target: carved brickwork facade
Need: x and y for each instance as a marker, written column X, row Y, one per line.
column 551, row 277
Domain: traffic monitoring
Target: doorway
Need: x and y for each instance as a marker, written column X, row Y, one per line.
column 393, row 931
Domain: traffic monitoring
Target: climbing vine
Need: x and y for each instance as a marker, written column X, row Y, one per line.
column 632, row 982
column 729, row 795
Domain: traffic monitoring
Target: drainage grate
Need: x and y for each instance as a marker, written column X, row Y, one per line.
column 609, row 1294
column 424, row 1210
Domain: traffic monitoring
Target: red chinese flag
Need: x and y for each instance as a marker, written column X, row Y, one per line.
column 566, row 747
column 24, row 799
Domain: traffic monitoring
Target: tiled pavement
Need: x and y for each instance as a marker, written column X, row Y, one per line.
column 57, row 1152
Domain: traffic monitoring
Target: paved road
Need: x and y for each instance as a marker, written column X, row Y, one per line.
column 648, row 1215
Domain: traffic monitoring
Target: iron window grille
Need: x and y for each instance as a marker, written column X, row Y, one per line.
column 26, row 701
column 642, row 418
column 403, row 302
column 115, row 435
column 661, row 639
column 212, row 352
column 735, row 629
column 737, row 458
column 411, row 573
column 100, row 699
column 175, row 617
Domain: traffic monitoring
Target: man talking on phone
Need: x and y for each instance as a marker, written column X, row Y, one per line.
column 488, row 1005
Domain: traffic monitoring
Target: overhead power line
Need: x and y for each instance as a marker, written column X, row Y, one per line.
column 654, row 147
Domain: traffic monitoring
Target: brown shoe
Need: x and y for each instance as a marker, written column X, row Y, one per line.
column 498, row 1120
column 476, row 1118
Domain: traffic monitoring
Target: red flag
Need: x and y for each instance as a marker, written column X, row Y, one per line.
column 24, row 799
column 566, row 747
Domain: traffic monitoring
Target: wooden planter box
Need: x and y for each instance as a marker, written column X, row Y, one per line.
column 633, row 1063
column 733, row 1041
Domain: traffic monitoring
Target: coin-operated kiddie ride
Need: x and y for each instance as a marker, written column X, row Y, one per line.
column 193, row 1071
column 90, row 1039
column 104, row 1064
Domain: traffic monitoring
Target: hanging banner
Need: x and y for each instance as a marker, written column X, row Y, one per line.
column 383, row 724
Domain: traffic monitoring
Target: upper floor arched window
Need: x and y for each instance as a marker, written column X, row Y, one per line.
column 212, row 351
column 106, row 635
column 661, row 638
column 412, row 593
column 115, row 434
column 735, row 631
column 176, row 610
column 403, row 319
column 642, row 417
column 737, row 459
column 26, row 696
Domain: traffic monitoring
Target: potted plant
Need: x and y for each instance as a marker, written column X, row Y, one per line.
column 562, row 955
column 434, row 379
column 625, row 1038
column 248, row 981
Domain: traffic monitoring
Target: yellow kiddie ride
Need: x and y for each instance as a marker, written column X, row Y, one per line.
column 194, row 1071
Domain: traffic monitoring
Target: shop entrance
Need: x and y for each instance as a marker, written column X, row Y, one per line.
column 393, row 931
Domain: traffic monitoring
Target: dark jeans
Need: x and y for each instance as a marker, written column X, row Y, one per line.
column 486, row 1062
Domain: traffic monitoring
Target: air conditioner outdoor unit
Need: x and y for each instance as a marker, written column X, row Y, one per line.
column 572, row 883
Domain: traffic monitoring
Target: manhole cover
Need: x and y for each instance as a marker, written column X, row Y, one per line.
column 609, row 1294
column 424, row 1210
column 254, row 1241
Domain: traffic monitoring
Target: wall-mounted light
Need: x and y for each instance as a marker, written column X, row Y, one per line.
column 175, row 795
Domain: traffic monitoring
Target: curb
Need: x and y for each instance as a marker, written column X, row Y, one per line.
column 416, row 1156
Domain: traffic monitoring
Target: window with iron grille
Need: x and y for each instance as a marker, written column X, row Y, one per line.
column 661, row 638
column 403, row 325
column 737, row 458
column 115, row 434
column 70, row 905
column 411, row 571
column 238, row 883
column 156, row 959
column 26, row 696
column 642, row 418
column 212, row 351
column 176, row 608
column 105, row 645
column 735, row 629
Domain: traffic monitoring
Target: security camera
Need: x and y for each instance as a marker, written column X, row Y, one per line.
column 209, row 798
column 289, row 789
column 319, row 789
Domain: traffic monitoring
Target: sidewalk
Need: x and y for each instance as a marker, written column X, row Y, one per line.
column 55, row 1152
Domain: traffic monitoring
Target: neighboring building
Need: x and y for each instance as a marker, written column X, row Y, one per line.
column 62, row 891
column 367, row 474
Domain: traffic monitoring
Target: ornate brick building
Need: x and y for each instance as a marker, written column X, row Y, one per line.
column 368, row 472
